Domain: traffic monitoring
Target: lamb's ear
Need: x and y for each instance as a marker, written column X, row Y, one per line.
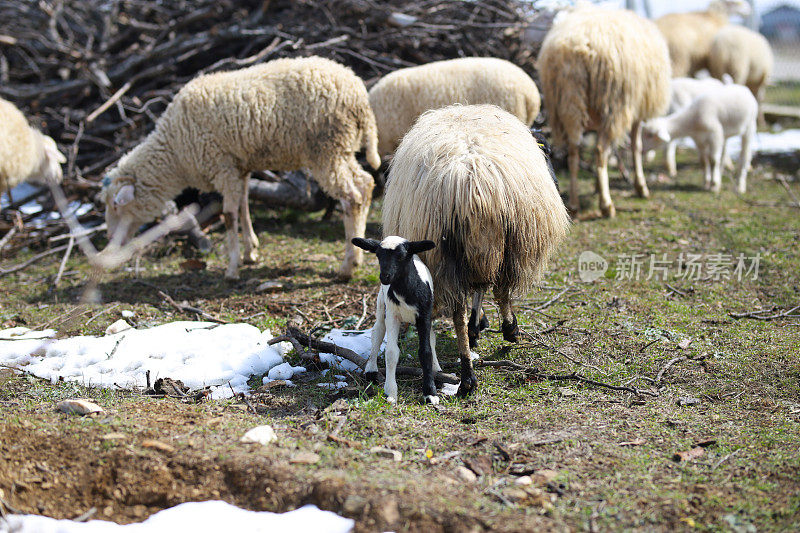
column 370, row 245
column 124, row 195
column 417, row 247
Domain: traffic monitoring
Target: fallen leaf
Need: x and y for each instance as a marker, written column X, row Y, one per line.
column 78, row 407
column 114, row 436
column 635, row 442
column 465, row 474
column 193, row 264
column 304, row 458
column 341, row 440
column 706, row 442
column 269, row 286
column 688, row 400
column 386, row 452
column 158, row 445
column 689, row 455
column 482, row 465
column 684, row 344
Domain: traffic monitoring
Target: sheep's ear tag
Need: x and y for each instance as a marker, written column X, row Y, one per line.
column 106, row 181
column 124, row 195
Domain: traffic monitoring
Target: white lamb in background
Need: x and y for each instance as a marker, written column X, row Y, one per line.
column 26, row 154
column 714, row 116
column 683, row 91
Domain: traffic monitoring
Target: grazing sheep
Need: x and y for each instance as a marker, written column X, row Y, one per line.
column 682, row 92
column 406, row 296
column 25, row 153
column 607, row 71
column 689, row 35
column 403, row 95
column 286, row 114
column 715, row 115
column 743, row 54
column 473, row 180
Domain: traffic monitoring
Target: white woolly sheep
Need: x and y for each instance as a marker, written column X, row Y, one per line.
column 715, row 115
column 406, row 296
column 286, row 114
column 403, row 95
column 689, row 35
column 682, row 92
column 603, row 70
column 26, row 154
column 743, row 54
column 473, row 180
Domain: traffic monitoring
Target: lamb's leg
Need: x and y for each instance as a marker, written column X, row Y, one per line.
column 426, row 359
column 606, row 205
column 392, row 357
column 476, row 319
column 436, row 366
column 250, row 239
column 706, row 160
column 671, row 153
column 468, row 381
column 744, row 158
column 509, row 325
column 715, row 153
column 574, row 163
column 636, row 147
column 378, row 333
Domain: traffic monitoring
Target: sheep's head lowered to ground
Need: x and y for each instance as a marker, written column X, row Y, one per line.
column 654, row 134
column 394, row 254
column 124, row 212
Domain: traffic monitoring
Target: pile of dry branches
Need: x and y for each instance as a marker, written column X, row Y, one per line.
column 97, row 73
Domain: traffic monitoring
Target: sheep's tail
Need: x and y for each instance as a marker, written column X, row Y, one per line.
column 370, row 142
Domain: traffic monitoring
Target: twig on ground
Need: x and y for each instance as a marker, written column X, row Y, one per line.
column 761, row 314
column 722, row 460
column 7, row 237
column 363, row 312
column 32, row 260
column 676, row 291
column 782, row 181
column 63, row 264
column 185, row 308
column 667, row 367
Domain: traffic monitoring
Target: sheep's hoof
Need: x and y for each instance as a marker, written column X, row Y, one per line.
column 372, row 377
column 608, row 211
column 344, row 275
column 232, row 276
column 467, row 386
column 510, row 330
column 643, row 192
column 484, row 323
column 251, row 259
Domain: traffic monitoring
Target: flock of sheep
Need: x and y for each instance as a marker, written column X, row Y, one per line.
column 466, row 173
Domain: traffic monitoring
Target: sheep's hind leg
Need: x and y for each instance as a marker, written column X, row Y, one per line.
column 636, row 147
column 574, row 162
column 250, row 239
column 476, row 325
column 509, row 325
column 606, row 205
column 231, row 201
column 468, row 380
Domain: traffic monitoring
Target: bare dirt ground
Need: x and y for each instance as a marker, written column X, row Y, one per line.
column 598, row 459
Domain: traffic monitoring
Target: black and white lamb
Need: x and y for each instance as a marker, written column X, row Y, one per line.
column 406, row 296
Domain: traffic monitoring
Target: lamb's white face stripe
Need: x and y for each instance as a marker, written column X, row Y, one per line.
column 392, row 241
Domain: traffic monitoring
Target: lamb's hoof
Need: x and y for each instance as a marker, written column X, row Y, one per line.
column 643, row 192
column 608, row 211
column 372, row 377
column 510, row 330
column 484, row 323
column 432, row 399
column 392, row 400
column 251, row 259
column 467, row 387
column 344, row 276
column 716, row 189
column 232, row 276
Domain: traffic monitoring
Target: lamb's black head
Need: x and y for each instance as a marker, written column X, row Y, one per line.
column 394, row 254
column 541, row 140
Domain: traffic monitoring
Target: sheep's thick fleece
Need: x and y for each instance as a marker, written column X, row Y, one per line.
column 25, row 153
column 743, row 54
column 403, row 95
column 287, row 114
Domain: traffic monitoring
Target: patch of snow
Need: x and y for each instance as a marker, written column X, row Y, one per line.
column 198, row 353
column 281, row 371
column 337, row 385
column 360, row 341
column 193, row 516
column 448, row 389
column 780, row 142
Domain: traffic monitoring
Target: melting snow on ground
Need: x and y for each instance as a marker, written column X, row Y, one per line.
column 198, row 353
column 198, row 517
column 785, row 141
column 201, row 354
